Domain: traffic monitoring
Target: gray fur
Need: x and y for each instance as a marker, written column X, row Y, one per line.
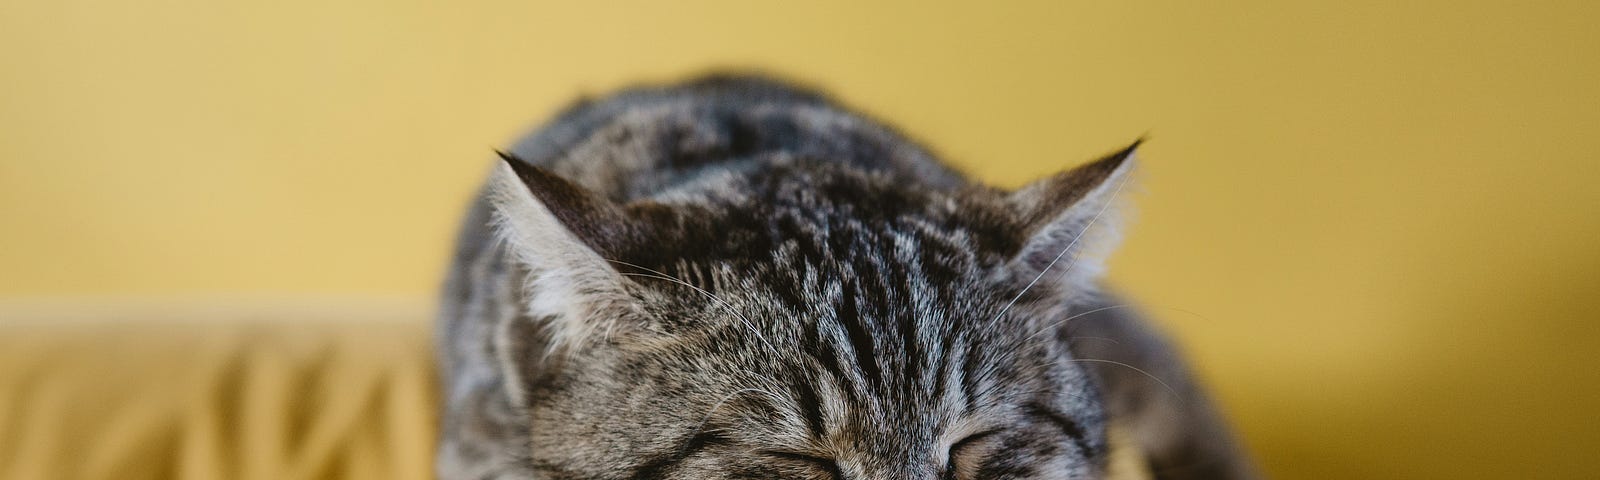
column 734, row 278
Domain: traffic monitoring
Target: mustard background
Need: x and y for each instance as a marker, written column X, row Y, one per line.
column 1373, row 224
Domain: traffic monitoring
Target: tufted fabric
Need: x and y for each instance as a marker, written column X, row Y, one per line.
column 138, row 390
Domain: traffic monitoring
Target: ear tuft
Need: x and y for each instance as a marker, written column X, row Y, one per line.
column 1069, row 220
column 562, row 234
column 597, row 221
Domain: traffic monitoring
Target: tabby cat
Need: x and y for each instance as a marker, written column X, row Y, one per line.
column 735, row 278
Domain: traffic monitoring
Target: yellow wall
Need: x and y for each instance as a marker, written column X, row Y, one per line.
column 1374, row 223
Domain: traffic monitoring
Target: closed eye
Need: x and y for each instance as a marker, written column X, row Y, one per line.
column 962, row 460
column 821, row 463
column 1071, row 429
column 971, row 439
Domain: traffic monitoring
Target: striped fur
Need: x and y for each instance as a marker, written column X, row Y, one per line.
column 734, row 278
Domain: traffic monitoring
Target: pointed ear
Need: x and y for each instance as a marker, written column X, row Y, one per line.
column 1069, row 222
column 564, row 234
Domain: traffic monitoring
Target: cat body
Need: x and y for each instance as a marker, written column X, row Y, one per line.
column 737, row 278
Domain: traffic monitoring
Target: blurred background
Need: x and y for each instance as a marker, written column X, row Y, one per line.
column 1373, row 225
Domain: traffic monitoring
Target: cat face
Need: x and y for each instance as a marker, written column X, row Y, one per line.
column 852, row 393
column 865, row 332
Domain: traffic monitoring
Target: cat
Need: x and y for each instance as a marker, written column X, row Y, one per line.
column 737, row 278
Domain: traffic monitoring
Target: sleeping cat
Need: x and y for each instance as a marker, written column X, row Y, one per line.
column 736, row 278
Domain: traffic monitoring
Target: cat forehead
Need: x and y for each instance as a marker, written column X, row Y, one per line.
column 888, row 277
column 785, row 243
column 906, row 273
column 782, row 316
column 932, row 372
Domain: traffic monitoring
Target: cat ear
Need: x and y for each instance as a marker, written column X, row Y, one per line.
column 1069, row 222
column 564, row 234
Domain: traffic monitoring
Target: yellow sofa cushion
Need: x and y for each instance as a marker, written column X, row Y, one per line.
column 238, row 390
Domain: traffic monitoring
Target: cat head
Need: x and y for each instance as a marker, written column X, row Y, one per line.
column 812, row 322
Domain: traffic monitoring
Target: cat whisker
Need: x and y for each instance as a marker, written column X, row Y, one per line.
column 1058, row 323
column 1173, row 391
column 663, row 276
column 701, row 426
column 1103, row 208
column 1022, row 393
column 1107, row 339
